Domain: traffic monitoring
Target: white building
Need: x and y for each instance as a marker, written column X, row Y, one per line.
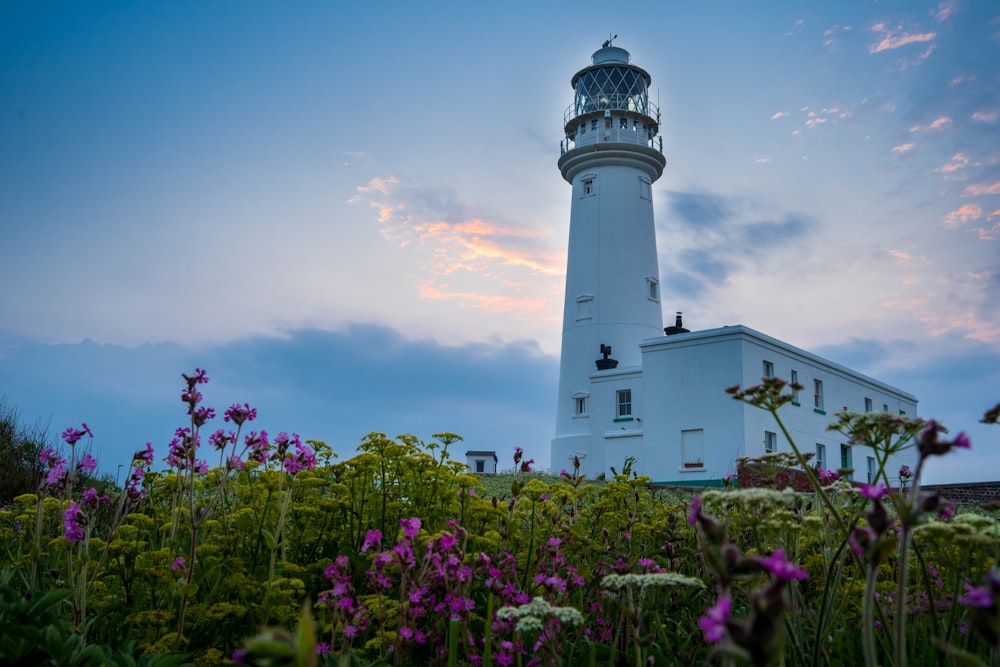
column 625, row 388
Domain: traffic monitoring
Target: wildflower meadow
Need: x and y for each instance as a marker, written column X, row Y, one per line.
column 231, row 545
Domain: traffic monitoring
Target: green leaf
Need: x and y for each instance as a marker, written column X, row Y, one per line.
column 305, row 637
column 269, row 539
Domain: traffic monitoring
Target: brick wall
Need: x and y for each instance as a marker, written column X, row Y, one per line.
column 755, row 475
column 969, row 495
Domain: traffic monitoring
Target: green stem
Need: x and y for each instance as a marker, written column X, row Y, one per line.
column 868, row 618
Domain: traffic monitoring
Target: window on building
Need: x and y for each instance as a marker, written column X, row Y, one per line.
column 795, row 392
column 768, row 369
column 480, row 465
column 693, row 448
column 588, row 186
column 902, row 412
column 770, row 441
column 818, row 394
column 885, row 407
column 584, row 307
column 624, row 410
column 868, row 404
column 820, row 455
column 654, row 289
column 580, row 405
column 871, row 469
column 624, row 123
column 593, row 125
column 845, row 460
column 583, row 128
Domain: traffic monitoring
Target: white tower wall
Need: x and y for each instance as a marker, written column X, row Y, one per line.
column 612, row 275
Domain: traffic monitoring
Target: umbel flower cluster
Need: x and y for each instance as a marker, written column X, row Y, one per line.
column 399, row 555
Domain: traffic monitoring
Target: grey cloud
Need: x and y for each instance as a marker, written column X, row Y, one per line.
column 700, row 209
column 773, row 233
column 718, row 234
column 334, row 386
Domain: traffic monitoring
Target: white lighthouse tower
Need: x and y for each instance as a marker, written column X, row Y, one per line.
column 611, row 156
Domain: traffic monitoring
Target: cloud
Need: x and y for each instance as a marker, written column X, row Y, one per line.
column 763, row 160
column 963, row 214
column 903, row 148
column 796, row 27
column 938, row 124
column 986, row 116
column 714, row 237
column 334, row 386
column 813, row 122
column 983, row 189
column 957, row 161
column 943, row 11
column 779, row 114
column 700, row 209
column 509, row 266
column 896, row 38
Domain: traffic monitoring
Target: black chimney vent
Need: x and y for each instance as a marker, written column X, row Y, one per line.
column 678, row 328
column 607, row 363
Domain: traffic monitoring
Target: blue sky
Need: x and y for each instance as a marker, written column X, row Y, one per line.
column 350, row 214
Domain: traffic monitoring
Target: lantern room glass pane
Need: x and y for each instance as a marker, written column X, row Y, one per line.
column 616, row 88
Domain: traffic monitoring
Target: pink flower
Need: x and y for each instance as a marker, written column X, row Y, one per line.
column 411, row 527
column 372, row 538
column 694, row 510
column 74, row 533
column 178, row 564
column 238, row 414
column 713, row 623
column 781, row 567
column 876, row 492
column 87, row 463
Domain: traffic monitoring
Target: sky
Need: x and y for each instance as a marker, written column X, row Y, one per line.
column 350, row 214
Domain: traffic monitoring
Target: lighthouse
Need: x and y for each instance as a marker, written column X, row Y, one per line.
column 634, row 394
column 611, row 156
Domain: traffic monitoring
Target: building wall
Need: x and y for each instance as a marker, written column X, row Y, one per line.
column 685, row 377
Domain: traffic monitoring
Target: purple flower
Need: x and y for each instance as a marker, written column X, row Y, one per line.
column 372, row 538
column 74, row 533
column 90, row 496
column 54, row 475
column 713, row 623
column 876, row 492
column 238, row 414
column 962, row 441
column 980, row 596
column 87, row 464
column 322, row 648
column 781, row 567
column 694, row 510
column 411, row 527
column 178, row 564
column 72, row 435
column 827, row 475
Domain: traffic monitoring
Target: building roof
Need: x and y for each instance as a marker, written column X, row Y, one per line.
column 746, row 333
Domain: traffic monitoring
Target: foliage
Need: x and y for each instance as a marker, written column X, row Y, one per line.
column 399, row 555
column 20, row 444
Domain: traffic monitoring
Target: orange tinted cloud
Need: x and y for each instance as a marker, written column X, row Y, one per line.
column 903, row 148
column 986, row 116
column 964, row 214
column 511, row 265
column 982, row 189
column 894, row 39
column 938, row 124
column 957, row 162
